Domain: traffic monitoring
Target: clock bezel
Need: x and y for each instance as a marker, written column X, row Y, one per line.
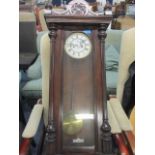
column 88, row 51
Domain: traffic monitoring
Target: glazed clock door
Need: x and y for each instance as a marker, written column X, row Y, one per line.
column 78, row 129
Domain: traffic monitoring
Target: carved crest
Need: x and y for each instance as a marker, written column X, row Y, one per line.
column 76, row 7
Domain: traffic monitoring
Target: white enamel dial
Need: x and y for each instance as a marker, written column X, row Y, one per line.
column 78, row 45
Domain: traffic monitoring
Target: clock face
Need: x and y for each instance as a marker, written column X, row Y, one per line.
column 78, row 45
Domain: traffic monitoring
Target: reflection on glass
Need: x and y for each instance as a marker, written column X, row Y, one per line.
column 84, row 116
column 73, row 123
column 78, row 129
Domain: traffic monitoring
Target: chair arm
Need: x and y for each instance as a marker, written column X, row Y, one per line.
column 33, row 122
column 31, row 128
column 117, row 132
column 24, row 147
column 124, row 123
column 120, row 115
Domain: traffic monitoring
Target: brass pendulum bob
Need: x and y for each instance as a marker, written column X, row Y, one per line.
column 71, row 124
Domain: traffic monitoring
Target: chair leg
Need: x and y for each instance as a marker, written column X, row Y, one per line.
column 119, row 140
column 130, row 138
column 25, row 146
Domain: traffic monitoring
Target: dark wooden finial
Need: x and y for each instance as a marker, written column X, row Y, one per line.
column 53, row 31
column 106, row 138
column 102, row 32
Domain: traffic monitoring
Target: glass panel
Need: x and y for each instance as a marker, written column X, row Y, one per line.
column 77, row 101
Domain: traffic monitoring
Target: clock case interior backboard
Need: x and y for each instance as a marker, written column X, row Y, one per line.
column 78, row 98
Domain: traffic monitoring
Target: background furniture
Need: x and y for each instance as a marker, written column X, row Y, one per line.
column 31, row 128
column 32, row 88
column 27, row 39
column 126, row 22
column 127, row 56
column 38, row 109
column 26, row 7
column 29, row 77
column 30, row 40
column 124, row 15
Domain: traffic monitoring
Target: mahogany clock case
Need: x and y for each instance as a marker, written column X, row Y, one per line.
column 78, row 86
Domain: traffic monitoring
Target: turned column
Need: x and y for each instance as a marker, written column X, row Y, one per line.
column 51, row 130
column 105, row 128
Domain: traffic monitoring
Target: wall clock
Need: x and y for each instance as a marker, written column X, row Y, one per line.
column 78, row 122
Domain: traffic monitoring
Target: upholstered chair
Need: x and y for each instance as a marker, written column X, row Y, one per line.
column 32, row 86
column 127, row 56
column 41, row 108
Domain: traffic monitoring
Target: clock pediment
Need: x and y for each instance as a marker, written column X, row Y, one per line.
column 76, row 8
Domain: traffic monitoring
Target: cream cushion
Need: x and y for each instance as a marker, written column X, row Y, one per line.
column 127, row 56
column 45, row 64
column 112, row 58
column 34, row 71
column 33, row 122
column 32, row 88
column 114, row 38
column 115, row 128
column 120, row 115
